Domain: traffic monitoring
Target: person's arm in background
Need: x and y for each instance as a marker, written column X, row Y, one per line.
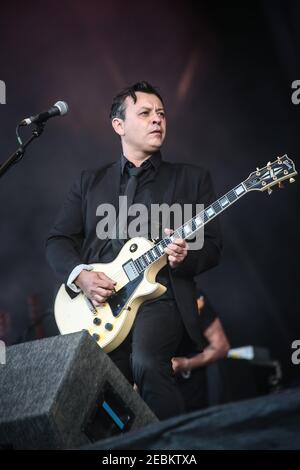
column 218, row 347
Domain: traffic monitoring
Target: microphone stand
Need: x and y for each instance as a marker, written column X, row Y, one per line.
column 19, row 153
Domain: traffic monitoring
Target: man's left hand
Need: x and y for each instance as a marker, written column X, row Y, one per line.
column 177, row 250
column 180, row 364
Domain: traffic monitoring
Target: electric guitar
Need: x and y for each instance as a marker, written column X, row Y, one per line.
column 136, row 266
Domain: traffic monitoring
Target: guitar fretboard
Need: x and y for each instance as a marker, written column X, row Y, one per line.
column 189, row 228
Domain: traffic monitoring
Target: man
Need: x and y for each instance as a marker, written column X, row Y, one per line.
column 190, row 369
column 138, row 117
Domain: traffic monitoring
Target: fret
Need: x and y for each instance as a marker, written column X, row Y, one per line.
column 165, row 242
column 176, row 234
column 205, row 217
column 162, row 245
column 179, row 232
column 231, row 196
column 239, row 190
column 224, row 201
column 159, row 247
column 210, row 212
column 217, row 206
column 199, row 220
column 187, row 230
column 193, row 224
column 139, row 264
column 136, row 266
column 156, row 251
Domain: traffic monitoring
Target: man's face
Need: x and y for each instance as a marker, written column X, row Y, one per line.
column 144, row 127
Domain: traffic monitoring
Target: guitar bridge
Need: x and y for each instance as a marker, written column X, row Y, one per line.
column 90, row 305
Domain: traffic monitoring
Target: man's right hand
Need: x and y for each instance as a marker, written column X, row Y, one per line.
column 96, row 286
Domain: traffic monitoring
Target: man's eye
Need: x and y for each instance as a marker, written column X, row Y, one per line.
column 144, row 112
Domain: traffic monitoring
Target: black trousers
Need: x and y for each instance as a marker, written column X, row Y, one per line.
column 145, row 356
column 194, row 389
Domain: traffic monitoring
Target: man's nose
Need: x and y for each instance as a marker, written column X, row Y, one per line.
column 156, row 118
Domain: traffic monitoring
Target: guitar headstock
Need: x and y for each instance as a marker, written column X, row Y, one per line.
column 274, row 173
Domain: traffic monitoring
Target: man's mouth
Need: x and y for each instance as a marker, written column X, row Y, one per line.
column 156, row 131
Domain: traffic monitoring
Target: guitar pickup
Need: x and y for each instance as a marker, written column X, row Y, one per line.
column 130, row 270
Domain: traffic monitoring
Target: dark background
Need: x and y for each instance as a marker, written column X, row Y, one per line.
column 225, row 71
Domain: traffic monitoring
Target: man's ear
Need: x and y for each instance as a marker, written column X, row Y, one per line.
column 118, row 125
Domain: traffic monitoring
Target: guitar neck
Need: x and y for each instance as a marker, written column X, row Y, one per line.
column 189, row 228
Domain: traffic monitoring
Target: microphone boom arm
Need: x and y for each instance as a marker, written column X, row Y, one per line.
column 19, row 153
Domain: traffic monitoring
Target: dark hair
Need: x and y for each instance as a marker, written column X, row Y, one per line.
column 118, row 105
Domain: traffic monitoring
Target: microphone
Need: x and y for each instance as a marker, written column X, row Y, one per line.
column 58, row 109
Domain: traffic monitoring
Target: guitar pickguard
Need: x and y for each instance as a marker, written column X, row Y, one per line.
column 120, row 298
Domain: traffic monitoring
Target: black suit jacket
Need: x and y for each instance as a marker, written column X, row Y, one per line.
column 73, row 239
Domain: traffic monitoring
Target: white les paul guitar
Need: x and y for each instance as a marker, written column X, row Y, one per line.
column 139, row 261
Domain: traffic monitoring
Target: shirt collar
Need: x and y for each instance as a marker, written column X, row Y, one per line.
column 155, row 161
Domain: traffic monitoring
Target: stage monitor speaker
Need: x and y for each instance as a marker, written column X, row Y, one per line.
column 64, row 392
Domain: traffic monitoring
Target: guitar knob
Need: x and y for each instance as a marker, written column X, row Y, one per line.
column 97, row 321
column 133, row 247
column 96, row 337
column 108, row 326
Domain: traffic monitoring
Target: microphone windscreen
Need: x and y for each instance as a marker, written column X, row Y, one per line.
column 62, row 106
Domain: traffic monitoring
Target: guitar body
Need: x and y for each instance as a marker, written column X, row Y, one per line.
column 111, row 323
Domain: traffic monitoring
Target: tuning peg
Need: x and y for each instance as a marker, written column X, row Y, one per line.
column 257, row 169
column 280, row 185
column 269, row 164
column 292, row 180
column 270, row 191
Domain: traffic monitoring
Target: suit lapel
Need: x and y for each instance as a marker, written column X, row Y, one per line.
column 109, row 186
column 106, row 191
